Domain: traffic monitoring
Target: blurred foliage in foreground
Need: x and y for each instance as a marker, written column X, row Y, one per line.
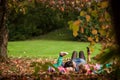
column 94, row 25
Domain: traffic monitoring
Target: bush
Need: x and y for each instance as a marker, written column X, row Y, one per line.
column 31, row 19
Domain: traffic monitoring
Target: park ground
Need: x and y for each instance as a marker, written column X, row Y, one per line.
column 29, row 60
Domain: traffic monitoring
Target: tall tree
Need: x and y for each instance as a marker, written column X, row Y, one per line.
column 3, row 31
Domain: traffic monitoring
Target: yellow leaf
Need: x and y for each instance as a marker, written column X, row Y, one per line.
column 94, row 31
column 96, row 38
column 98, row 4
column 91, row 49
column 82, row 13
column 87, row 18
column 107, row 16
column 70, row 23
column 92, row 43
column 94, row 13
column 102, row 32
column 104, row 4
column 75, row 33
column 89, row 10
column 75, row 28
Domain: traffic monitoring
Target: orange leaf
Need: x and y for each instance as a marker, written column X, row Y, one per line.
column 62, row 9
column 94, row 31
column 77, row 22
column 82, row 30
column 90, row 39
column 87, row 18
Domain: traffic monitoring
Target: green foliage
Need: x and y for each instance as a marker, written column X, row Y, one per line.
column 29, row 19
column 92, row 17
column 59, row 34
column 94, row 23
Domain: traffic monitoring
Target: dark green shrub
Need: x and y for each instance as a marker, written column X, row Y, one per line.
column 29, row 19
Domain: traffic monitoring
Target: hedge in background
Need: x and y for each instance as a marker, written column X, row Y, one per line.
column 32, row 18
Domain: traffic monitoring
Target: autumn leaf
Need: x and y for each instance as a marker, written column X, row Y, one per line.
column 103, row 27
column 96, row 38
column 88, row 18
column 89, row 10
column 76, row 23
column 81, row 29
column 91, row 49
column 102, row 32
column 104, row 4
column 75, row 28
column 94, row 31
column 75, row 33
column 70, row 23
column 90, row 39
column 107, row 16
column 101, row 19
column 94, row 13
column 92, row 43
column 62, row 9
column 82, row 13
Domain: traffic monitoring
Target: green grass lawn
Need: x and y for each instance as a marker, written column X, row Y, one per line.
column 46, row 48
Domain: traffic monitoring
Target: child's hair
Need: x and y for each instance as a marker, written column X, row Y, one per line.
column 74, row 55
column 68, row 64
column 81, row 55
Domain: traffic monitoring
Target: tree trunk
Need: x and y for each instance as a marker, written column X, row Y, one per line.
column 3, row 31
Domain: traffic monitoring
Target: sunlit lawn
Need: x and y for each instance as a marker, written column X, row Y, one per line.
column 46, row 48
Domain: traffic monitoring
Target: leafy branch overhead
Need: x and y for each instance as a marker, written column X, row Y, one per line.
column 93, row 23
